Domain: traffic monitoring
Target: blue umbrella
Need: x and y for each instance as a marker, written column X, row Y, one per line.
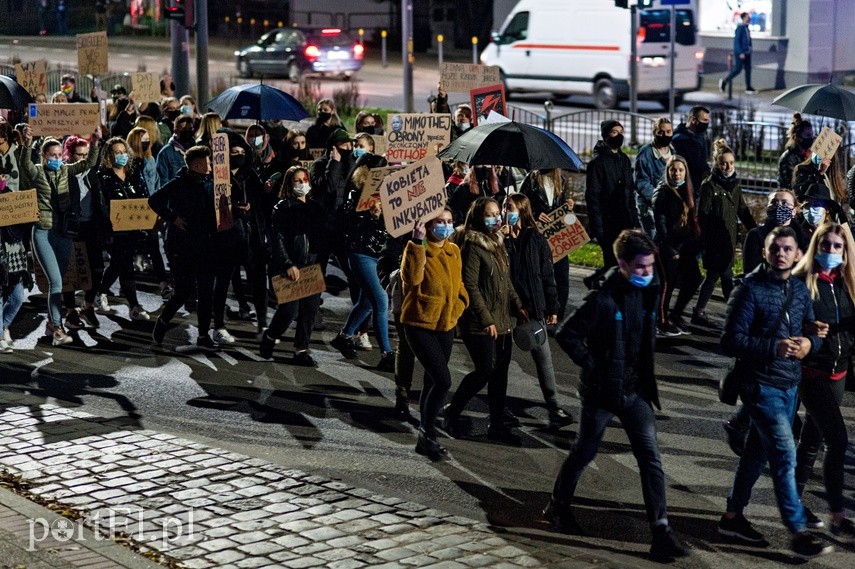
column 512, row 144
column 256, row 101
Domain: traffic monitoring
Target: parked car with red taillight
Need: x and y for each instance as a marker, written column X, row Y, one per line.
column 291, row 52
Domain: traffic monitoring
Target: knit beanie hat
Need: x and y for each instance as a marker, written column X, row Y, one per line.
column 607, row 126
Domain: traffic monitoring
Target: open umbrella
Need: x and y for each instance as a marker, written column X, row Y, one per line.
column 818, row 99
column 257, row 101
column 12, row 95
column 512, row 144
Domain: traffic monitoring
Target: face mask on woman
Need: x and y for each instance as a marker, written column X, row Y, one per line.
column 814, row 215
column 464, row 126
column 237, row 160
column 145, row 145
column 358, row 152
column 258, row 141
column 186, row 110
column 816, row 159
column 301, row 189
column 120, row 160
column 828, row 261
column 53, row 164
column 442, row 231
column 493, row 223
column 781, row 213
column 513, row 217
column 640, row 281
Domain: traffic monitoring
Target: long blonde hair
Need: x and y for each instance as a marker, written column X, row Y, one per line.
column 150, row 126
column 135, row 142
column 808, row 269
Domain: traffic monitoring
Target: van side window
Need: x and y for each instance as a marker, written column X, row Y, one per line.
column 655, row 26
column 517, row 28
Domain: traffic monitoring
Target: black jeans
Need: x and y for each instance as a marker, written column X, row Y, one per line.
column 256, row 276
column 152, row 248
column 685, row 272
column 823, row 421
column 191, row 276
column 405, row 361
column 433, row 350
column 639, row 423
column 95, row 255
column 304, row 310
column 708, row 286
column 121, row 267
column 561, row 269
column 222, row 278
column 491, row 359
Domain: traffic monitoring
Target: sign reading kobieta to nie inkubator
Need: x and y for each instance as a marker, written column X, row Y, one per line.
column 372, row 186
column 564, row 232
column 222, row 181
column 59, row 119
column 415, row 193
column 412, row 136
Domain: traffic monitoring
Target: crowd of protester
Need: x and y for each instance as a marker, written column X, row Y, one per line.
column 480, row 269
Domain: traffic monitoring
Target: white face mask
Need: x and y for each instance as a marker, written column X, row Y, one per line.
column 301, row 189
column 258, row 141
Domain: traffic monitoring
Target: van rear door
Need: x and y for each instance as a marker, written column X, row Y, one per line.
column 654, row 29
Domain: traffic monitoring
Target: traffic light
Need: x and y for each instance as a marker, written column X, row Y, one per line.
column 181, row 11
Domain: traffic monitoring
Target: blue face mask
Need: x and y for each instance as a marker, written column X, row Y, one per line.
column 641, row 281
column 493, row 223
column 357, row 152
column 186, row 109
column 53, row 164
column 814, row 215
column 442, row 230
column 120, row 160
column 680, row 183
column 513, row 217
column 828, row 261
column 816, row 159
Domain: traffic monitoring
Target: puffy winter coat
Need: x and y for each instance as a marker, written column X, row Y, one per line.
column 532, row 274
column 434, row 295
column 610, row 193
column 834, row 306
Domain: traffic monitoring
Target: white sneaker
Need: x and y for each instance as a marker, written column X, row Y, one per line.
column 102, row 304
column 4, row 347
column 137, row 313
column 222, row 336
column 8, row 337
column 361, row 342
column 260, row 335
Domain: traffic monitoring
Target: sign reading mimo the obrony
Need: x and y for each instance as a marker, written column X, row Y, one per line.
column 412, row 136
column 415, row 193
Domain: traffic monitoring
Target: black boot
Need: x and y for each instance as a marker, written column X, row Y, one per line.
column 561, row 517
column 402, row 408
column 666, row 546
column 429, row 447
column 265, row 349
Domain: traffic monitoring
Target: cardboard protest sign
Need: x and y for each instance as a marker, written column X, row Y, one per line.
column 413, row 136
column 92, row 53
column 311, row 282
column 132, row 215
column 61, row 119
column 222, row 181
column 414, row 193
column 307, row 164
column 316, row 152
column 463, row 77
column 380, row 144
column 486, row 99
column 32, row 76
column 826, row 144
column 145, row 87
column 564, row 232
column 76, row 276
column 372, row 186
column 18, row 207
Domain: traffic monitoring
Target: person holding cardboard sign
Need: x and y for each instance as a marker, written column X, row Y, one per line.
column 296, row 239
column 58, row 218
column 816, row 169
column 14, row 271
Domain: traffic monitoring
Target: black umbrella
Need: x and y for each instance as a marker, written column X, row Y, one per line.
column 819, row 99
column 12, row 95
column 257, row 101
column 512, row 144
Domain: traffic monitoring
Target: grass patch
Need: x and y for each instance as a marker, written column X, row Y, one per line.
column 348, row 120
column 590, row 255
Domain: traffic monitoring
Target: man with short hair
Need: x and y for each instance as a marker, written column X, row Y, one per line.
column 691, row 143
column 612, row 338
column 68, row 86
column 170, row 159
column 764, row 329
column 741, row 56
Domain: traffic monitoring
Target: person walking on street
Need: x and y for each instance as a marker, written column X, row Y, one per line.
column 765, row 329
column 612, row 337
column 741, row 56
column 690, row 142
column 649, row 171
column 434, row 299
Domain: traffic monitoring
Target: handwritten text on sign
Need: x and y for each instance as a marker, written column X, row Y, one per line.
column 146, row 87
column 132, row 215
column 59, row 120
column 32, row 76
column 415, row 193
column 826, row 143
column 76, row 276
column 222, row 181
column 311, row 282
column 463, row 77
column 413, row 136
column 92, row 53
column 564, row 232
column 372, row 186
column 18, row 207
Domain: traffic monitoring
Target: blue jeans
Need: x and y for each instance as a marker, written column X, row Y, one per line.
column 372, row 300
column 639, row 423
column 53, row 251
column 10, row 305
column 770, row 440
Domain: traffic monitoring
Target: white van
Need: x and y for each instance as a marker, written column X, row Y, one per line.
column 580, row 47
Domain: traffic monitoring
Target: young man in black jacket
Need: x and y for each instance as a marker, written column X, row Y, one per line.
column 612, row 337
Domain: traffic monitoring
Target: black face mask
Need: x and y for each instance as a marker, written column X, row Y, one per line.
column 323, row 117
column 368, row 129
column 303, row 154
column 614, row 142
column 805, row 142
column 701, row 127
column 186, row 139
column 237, row 161
column 345, row 154
column 661, row 141
column 172, row 115
column 146, row 145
